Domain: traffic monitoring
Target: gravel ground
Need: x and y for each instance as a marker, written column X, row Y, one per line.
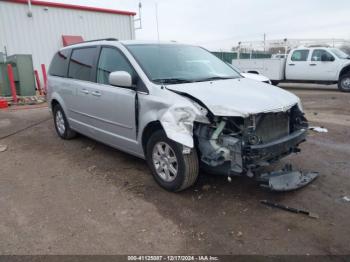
column 82, row 197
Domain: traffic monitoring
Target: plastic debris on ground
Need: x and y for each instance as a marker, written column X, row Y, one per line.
column 3, row 148
column 318, row 129
column 289, row 209
column 346, row 198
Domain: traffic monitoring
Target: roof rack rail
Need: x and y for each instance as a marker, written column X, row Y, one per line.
column 95, row 40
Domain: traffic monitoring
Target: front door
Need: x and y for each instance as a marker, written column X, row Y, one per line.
column 112, row 110
column 322, row 66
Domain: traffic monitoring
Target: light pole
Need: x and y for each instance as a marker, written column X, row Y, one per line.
column 285, row 46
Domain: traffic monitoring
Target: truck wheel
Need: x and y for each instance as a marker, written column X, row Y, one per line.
column 61, row 123
column 344, row 83
column 171, row 169
column 275, row 83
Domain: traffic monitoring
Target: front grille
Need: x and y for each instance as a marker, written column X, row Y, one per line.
column 272, row 126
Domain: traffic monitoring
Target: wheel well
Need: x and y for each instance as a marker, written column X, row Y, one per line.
column 253, row 72
column 54, row 102
column 344, row 70
column 148, row 131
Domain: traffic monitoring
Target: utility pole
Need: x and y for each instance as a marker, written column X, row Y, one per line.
column 157, row 21
column 139, row 20
column 29, row 13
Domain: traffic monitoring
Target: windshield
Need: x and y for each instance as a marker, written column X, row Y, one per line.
column 235, row 68
column 340, row 54
column 173, row 63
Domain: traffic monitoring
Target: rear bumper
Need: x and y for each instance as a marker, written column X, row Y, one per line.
column 276, row 149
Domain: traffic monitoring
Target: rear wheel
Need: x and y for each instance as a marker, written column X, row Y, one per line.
column 61, row 123
column 171, row 169
column 344, row 83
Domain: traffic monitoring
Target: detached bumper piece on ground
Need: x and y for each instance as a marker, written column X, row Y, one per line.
column 286, row 179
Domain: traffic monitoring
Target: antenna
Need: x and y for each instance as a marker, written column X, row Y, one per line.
column 139, row 19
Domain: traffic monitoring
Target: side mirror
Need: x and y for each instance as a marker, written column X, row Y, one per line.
column 120, row 78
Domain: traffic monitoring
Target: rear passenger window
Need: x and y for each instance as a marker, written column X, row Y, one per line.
column 112, row 60
column 300, row 55
column 81, row 63
column 59, row 64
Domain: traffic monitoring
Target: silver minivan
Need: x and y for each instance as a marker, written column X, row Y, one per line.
column 175, row 105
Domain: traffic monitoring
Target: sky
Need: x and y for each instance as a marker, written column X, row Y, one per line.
column 221, row 24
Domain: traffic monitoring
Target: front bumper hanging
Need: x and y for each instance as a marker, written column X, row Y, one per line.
column 286, row 179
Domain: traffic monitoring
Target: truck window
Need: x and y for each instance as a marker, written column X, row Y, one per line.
column 317, row 54
column 300, row 55
column 59, row 64
column 81, row 63
column 112, row 60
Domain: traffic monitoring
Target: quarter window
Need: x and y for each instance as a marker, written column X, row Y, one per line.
column 318, row 53
column 111, row 60
column 81, row 63
column 59, row 64
column 300, row 55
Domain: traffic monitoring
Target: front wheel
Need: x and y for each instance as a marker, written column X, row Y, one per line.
column 344, row 83
column 171, row 169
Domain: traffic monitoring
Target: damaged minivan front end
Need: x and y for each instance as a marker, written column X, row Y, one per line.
column 247, row 141
column 236, row 145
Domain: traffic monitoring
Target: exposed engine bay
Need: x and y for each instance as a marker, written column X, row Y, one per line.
column 236, row 145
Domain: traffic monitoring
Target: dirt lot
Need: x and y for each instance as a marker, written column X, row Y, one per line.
column 82, row 197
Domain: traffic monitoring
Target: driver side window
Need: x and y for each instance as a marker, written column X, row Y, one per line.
column 111, row 60
column 318, row 53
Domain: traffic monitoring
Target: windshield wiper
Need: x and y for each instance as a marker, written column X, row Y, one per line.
column 214, row 78
column 171, row 80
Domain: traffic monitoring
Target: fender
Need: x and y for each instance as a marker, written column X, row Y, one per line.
column 345, row 68
column 177, row 119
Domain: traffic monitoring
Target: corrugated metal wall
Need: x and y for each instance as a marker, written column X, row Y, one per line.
column 41, row 34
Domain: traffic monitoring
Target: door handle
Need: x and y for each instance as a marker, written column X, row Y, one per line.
column 312, row 64
column 291, row 64
column 84, row 91
column 96, row 93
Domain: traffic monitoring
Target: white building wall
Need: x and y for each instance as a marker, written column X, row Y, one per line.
column 41, row 34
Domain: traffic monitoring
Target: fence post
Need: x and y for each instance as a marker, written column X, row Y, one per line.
column 38, row 81
column 43, row 69
column 12, row 83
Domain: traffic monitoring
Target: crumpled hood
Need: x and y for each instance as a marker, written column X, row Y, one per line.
column 238, row 97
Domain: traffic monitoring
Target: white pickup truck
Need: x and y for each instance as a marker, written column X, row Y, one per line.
column 321, row 65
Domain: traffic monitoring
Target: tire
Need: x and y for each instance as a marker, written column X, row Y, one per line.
column 344, row 83
column 186, row 164
column 61, row 124
column 274, row 82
